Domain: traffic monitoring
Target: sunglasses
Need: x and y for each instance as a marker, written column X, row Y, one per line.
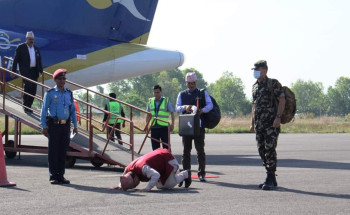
column 191, row 83
column 61, row 78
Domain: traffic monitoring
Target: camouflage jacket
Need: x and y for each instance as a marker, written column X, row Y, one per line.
column 265, row 107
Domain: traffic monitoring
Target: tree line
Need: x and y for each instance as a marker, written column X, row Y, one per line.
column 228, row 91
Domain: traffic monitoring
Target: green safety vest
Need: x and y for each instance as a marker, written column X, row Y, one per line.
column 163, row 112
column 114, row 107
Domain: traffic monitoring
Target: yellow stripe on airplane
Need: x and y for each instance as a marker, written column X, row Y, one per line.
column 94, row 58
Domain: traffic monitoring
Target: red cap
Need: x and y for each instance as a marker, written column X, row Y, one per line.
column 59, row 72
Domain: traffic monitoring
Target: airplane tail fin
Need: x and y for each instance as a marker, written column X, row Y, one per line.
column 120, row 20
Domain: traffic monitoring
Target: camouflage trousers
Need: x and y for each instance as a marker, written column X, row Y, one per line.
column 267, row 142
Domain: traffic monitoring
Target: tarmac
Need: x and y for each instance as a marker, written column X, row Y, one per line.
column 313, row 178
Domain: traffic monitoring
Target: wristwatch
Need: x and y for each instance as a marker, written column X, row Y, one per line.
column 278, row 116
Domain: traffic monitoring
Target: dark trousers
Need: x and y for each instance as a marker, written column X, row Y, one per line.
column 117, row 133
column 199, row 144
column 30, row 88
column 160, row 133
column 59, row 140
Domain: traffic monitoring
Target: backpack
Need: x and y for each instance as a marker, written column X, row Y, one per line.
column 212, row 118
column 290, row 107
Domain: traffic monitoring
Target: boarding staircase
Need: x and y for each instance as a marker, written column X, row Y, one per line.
column 89, row 143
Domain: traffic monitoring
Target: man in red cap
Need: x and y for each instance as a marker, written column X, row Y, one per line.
column 158, row 168
column 57, row 113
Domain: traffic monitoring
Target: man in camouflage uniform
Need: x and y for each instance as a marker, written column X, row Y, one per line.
column 266, row 119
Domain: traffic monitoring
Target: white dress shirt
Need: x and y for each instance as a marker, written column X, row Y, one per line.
column 32, row 56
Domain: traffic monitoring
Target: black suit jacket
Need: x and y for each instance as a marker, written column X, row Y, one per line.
column 23, row 59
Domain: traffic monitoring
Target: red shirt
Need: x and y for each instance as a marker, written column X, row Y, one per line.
column 157, row 160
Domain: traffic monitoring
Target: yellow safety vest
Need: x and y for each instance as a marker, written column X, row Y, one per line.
column 114, row 107
column 163, row 112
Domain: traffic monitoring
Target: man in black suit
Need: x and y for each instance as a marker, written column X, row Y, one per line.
column 28, row 57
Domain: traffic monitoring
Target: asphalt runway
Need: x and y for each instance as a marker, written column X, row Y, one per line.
column 313, row 178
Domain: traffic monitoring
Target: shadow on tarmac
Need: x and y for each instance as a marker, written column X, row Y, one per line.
column 231, row 160
column 254, row 160
column 133, row 192
column 279, row 189
column 16, row 188
column 41, row 161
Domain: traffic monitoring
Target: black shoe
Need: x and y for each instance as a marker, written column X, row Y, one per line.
column 270, row 182
column 274, row 184
column 202, row 178
column 268, row 186
column 188, row 180
column 55, row 181
column 64, row 181
column 27, row 111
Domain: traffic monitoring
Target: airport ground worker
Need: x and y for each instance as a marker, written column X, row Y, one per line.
column 185, row 100
column 161, row 108
column 159, row 168
column 116, row 108
column 28, row 57
column 266, row 120
column 57, row 113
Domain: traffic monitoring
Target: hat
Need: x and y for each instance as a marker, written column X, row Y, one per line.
column 191, row 77
column 127, row 181
column 260, row 63
column 59, row 72
column 30, row 34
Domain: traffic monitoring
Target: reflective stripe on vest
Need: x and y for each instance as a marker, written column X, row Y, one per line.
column 114, row 107
column 163, row 112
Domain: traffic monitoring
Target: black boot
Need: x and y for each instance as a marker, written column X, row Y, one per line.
column 273, row 180
column 270, row 182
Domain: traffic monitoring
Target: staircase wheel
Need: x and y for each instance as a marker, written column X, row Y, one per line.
column 70, row 161
column 96, row 162
column 10, row 154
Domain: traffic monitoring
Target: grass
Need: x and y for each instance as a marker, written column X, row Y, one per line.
column 302, row 124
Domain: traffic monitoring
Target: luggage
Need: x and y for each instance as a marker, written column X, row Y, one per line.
column 212, row 118
column 290, row 107
column 189, row 125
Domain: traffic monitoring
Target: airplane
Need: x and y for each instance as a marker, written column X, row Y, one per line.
column 97, row 41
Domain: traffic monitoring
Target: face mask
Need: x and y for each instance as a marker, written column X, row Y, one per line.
column 257, row 74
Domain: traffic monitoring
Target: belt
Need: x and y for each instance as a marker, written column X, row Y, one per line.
column 32, row 67
column 60, row 122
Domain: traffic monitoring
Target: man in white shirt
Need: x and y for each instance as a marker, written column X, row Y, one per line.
column 186, row 100
column 159, row 168
column 28, row 57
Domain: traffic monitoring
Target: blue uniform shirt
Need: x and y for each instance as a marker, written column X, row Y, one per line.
column 59, row 104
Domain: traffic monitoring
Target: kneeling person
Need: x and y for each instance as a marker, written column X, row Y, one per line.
column 158, row 168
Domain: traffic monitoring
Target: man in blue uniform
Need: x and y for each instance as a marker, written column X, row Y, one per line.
column 57, row 112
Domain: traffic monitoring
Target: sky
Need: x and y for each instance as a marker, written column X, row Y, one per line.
column 299, row 39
